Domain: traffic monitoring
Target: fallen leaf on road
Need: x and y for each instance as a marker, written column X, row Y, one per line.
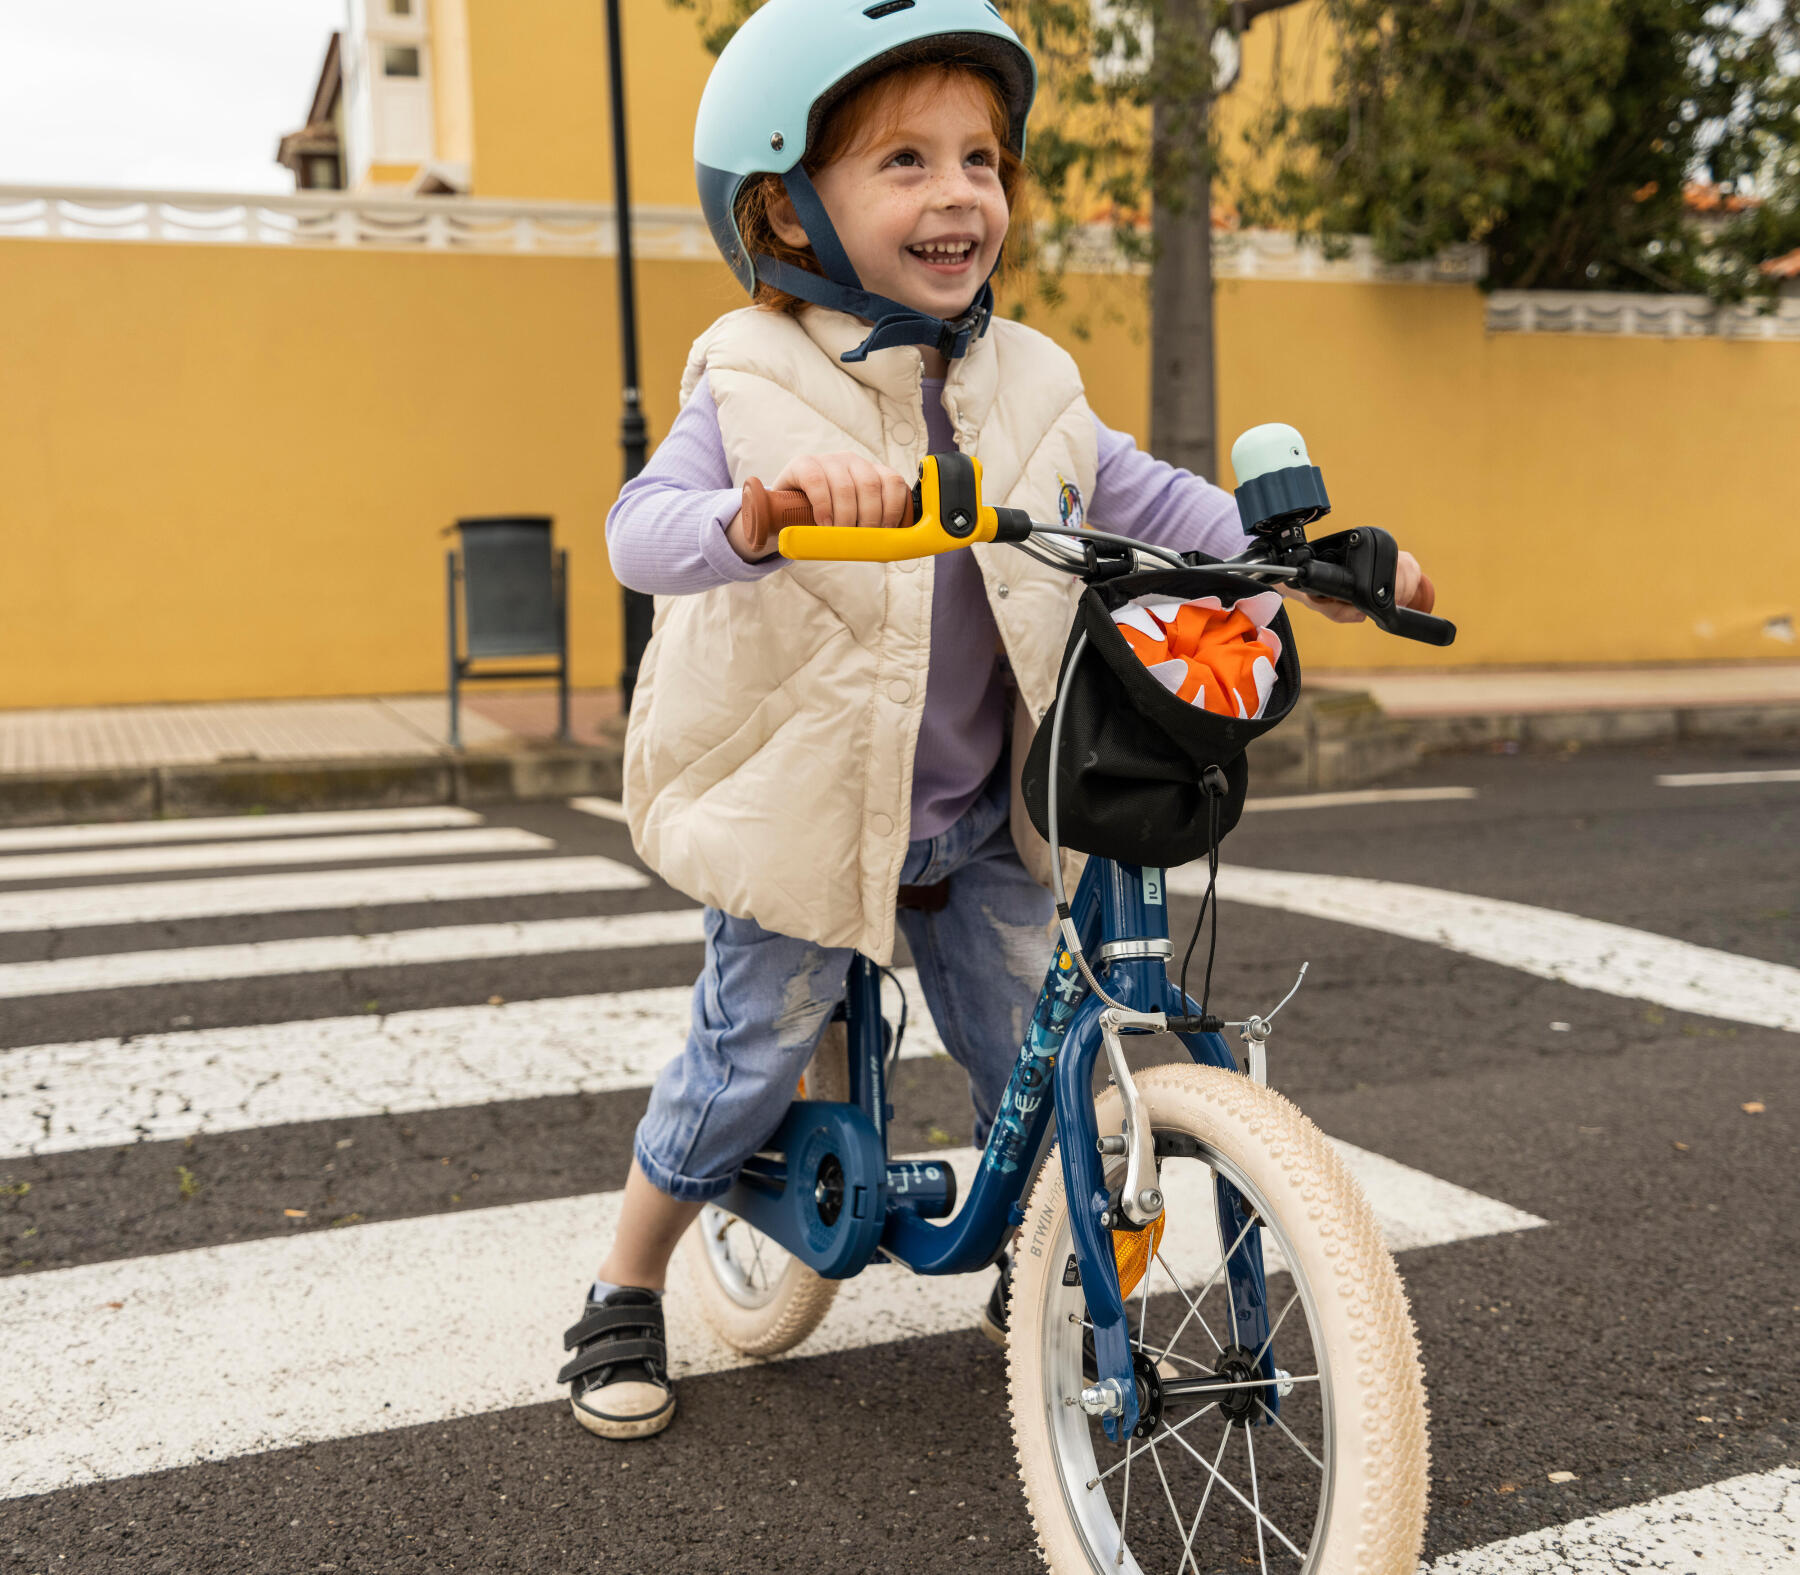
column 1682, row 1147
column 1509, row 1487
column 1562, row 1476
column 115, row 1305
column 1703, row 1419
column 496, row 1000
column 295, row 1214
column 1753, row 1107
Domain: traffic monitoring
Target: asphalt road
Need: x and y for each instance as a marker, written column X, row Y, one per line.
column 1642, row 1340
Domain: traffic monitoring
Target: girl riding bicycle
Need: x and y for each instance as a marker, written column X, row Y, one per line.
column 821, row 751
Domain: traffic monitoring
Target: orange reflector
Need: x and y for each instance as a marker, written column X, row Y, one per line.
column 1132, row 1250
column 800, row 1092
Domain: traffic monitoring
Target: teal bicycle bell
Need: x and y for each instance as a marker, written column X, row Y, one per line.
column 1279, row 488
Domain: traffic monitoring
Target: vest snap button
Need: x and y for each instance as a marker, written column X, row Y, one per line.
column 1001, row 591
column 899, row 691
column 903, row 433
column 880, row 824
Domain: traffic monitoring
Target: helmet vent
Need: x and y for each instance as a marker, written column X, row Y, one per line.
column 888, row 8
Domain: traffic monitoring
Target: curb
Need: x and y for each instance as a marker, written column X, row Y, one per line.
column 1336, row 738
column 1707, row 724
column 247, row 787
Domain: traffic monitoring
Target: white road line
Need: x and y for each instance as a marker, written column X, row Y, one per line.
column 163, row 901
column 299, row 850
column 328, row 953
column 100, row 1092
column 265, row 1344
column 1724, row 778
column 1587, row 953
column 212, row 828
column 605, row 808
column 1423, row 795
column 1749, row 1523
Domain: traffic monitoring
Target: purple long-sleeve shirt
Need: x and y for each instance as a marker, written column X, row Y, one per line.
column 666, row 536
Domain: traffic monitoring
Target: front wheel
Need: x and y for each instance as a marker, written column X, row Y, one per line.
column 1328, row 1479
column 758, row 1297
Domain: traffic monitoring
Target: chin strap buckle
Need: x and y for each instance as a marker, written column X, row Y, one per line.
column 958, row 333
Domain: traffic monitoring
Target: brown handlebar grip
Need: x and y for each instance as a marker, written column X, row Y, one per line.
column 767, row 514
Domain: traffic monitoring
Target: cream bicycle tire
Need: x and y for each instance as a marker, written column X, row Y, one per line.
column 774, row 1317
column 1373, row 1454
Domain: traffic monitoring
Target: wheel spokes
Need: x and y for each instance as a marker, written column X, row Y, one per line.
column 1262, row 1519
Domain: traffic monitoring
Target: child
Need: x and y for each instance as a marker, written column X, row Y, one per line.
column 807, row 739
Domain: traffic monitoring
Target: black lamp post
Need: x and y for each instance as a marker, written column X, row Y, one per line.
column 633, row 435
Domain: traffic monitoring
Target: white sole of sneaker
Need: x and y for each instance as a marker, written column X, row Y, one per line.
column 624, row 1427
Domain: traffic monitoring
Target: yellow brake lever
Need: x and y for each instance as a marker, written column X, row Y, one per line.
column 946, row 502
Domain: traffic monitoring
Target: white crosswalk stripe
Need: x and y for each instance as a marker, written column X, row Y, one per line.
column 1749, row 1523
column 269, row 1343
column 370, row 848
column 1587, row 953
column 326, row 953
column 155, row 902
column 92, row 1094
column 221, row 828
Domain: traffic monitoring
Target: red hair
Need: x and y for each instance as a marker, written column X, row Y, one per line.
column 872, row 112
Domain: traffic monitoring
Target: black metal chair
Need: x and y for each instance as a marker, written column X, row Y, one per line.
column 514, row 603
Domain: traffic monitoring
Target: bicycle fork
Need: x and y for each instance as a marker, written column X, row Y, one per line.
column 1139, row 982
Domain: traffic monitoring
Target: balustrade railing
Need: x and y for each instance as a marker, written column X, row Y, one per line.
column 476, row 224
column 338, row 219
column 1628, row 315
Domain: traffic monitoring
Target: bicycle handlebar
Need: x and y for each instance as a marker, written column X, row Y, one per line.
column 945, row 512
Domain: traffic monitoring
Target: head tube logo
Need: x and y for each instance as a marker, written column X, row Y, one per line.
column 1068, row 503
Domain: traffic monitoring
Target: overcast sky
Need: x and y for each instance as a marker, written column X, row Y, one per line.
column 171, row 94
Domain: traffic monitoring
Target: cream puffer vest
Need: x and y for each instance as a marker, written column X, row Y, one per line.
column 768, row 763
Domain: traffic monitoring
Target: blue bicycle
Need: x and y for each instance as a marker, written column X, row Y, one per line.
column 1211, row 1358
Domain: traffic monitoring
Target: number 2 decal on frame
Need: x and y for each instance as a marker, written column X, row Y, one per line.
column 1153, row 887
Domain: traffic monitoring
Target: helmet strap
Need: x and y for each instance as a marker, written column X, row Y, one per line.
column 841, row 289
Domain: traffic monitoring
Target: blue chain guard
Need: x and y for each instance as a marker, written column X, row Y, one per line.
column 776, row 1196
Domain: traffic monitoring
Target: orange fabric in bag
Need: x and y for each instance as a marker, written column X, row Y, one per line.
column 1220, row 647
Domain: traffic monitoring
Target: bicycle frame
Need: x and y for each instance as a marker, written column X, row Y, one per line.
column 852, row 1205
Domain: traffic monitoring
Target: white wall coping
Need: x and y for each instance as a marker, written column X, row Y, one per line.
column 457, row 224
column 343, row 219
column 1622, row 314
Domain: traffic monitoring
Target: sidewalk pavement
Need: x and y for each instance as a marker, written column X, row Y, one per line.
column 133, row 762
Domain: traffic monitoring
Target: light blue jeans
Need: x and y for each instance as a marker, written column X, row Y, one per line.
column 762, row 1002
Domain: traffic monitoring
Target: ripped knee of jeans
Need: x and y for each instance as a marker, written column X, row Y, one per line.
column 802, row 1014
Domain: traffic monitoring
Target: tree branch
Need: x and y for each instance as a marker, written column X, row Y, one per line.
column 1250, row 10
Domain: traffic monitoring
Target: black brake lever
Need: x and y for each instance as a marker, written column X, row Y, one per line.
column 1366, row 560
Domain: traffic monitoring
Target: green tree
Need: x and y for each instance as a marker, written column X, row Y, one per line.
column 1561, row 134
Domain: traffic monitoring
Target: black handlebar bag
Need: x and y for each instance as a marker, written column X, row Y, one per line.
column 1132, row 753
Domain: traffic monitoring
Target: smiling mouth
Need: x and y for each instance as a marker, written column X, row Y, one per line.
column 944, row 259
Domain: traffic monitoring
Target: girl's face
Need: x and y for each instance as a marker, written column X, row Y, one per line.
column 919, row 208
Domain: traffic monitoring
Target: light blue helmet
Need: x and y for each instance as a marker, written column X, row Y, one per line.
column 767, row 98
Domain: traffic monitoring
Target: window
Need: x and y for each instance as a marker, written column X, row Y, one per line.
column 322, row 172
column 400, row 7
column 399, row 60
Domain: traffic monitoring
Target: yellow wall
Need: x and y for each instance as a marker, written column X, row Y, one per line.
column 541, row 111
column 1559, row 489
column 226, row 467
column 453, row 128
